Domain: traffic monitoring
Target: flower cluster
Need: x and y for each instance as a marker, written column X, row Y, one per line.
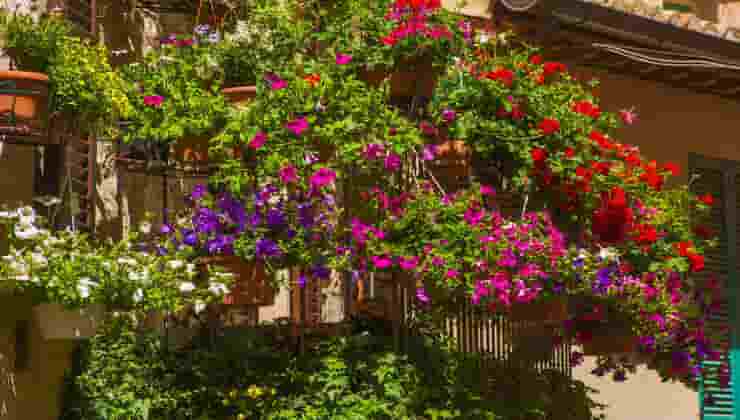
column 68, row 267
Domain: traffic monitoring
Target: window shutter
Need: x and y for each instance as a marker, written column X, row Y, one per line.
column 720, row 178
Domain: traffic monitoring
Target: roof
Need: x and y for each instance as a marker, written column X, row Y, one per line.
column 688, row 21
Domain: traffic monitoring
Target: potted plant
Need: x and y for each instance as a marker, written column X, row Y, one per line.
column 61, row 73
column 262, row 43
column 408, row 41
column 176, row 100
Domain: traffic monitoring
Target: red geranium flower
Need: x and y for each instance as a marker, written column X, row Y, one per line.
column 707, row 199
column 673, row 168
column 587, row 108
column 538, row 156
column 503, row 75
column 569, row 152
column 535, row 59
column 553, row 67
column 549, row 126
column 611, row 221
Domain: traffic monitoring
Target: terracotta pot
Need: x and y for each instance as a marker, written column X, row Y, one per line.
column 251, row 285
column 552, row 310
column 192, row 149
column 59, row 323
column 411, row 77
column 606, row 344
column 452, row 165
column 30, row 103
column 240, row 96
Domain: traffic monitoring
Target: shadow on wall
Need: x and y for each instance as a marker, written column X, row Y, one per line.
column 642, row 397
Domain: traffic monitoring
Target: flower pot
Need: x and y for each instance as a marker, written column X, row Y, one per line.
column 24, row 96
column 59, row 323
column 452, row 164
column 411, row 77
column 605, row 344
column 251, row 285
column 193, row 150
column 240, row 96
column 551, row 310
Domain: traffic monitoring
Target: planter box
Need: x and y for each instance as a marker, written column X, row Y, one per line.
column 411, row 77
column 24, row 96
column 58, row 323
column 240, row 96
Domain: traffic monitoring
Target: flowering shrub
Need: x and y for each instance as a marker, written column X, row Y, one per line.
column 67, row 267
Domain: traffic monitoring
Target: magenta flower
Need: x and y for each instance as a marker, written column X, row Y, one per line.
column 429, row 152
column 323, row 177
column 153, row 100
column 297, row 126
column 421, row 294
column 408, row 263
column 276, row 83
column 258, row 140
column 392, row 162
column 373, row 151
column 289, row 174
column 487, row 190
column 449, row 115
column 473, row 217
column 382, row 262
column 343, row 59
column 437, row 261
column 452, row 273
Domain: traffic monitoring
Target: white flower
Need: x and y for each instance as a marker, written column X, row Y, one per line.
column 51, row 241
column 607, row 254
column 126, row 261
column 26, row 231
column 22, row 277
column 218, row 288
column 39, row 259
column 7, row 215
column 199, row 306
column 175, row 264
column 187, row 287
column 107, row 265
column 138, row 295
column 145, row 228
column 26, row 215
column 190, row 269
column 84, row 285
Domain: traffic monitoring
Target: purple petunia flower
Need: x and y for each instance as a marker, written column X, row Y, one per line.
column 422, row 295
column 265, row 248
column 429, row 152
column 320, row 272
column 199, row 191
column 275, row 218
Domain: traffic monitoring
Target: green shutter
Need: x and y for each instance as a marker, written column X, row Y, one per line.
column 719, row 178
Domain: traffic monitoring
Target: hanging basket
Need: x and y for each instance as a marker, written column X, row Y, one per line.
column 24, row 98
column 240, row 96
column 551, row 310
column 610, row 343
column 59, row 323
column 192, row 150
column 251, row 285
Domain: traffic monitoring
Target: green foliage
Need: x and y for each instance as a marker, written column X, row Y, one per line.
column 33, row 44
column 185, row 75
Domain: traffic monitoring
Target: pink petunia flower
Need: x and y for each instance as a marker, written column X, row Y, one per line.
column 153, row 100
column 276, row 83
column 343, row 59
column 297, row 126
column 628, row 116
column 257, row 141
column 323, row 177
column 289, row 174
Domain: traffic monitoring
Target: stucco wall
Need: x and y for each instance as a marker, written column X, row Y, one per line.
column 671, row 123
